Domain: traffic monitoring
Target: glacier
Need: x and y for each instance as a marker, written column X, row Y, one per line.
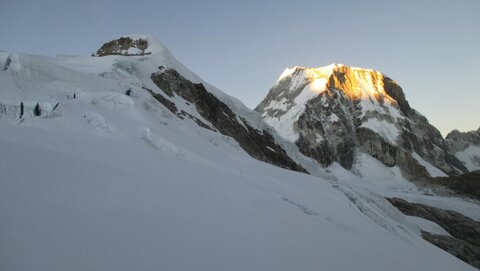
column 102, row 180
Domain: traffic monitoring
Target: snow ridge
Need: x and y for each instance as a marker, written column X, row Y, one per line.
column 110, row 169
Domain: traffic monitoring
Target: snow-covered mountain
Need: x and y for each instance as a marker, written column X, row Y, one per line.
column 336, row 113
column 466, row 147
column 126, row 160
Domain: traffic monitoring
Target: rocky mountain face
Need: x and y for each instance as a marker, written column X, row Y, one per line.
column 259, row 144
column 334, row 112
column 466, row 147
column 458, row 141
column 194, row 101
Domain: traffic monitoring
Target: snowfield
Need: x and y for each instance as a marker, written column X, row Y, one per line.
column 106, row 181
column 82, row 201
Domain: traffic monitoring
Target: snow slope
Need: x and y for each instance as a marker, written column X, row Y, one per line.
column 106, row 181
column 74, row 200
column 470, row 157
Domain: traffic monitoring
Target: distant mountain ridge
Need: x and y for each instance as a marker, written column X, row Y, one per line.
column 333, row 113
column 466, row 147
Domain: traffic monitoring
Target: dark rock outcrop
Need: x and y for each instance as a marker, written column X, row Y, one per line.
column 465, row 232
column 458, row 248
column 327, row 141
column 122, row 45
column 466, row 184
column 259, row 144
column 167, row 103
column 7, row 63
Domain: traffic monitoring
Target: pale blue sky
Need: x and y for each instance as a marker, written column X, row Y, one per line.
column 431, row 48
